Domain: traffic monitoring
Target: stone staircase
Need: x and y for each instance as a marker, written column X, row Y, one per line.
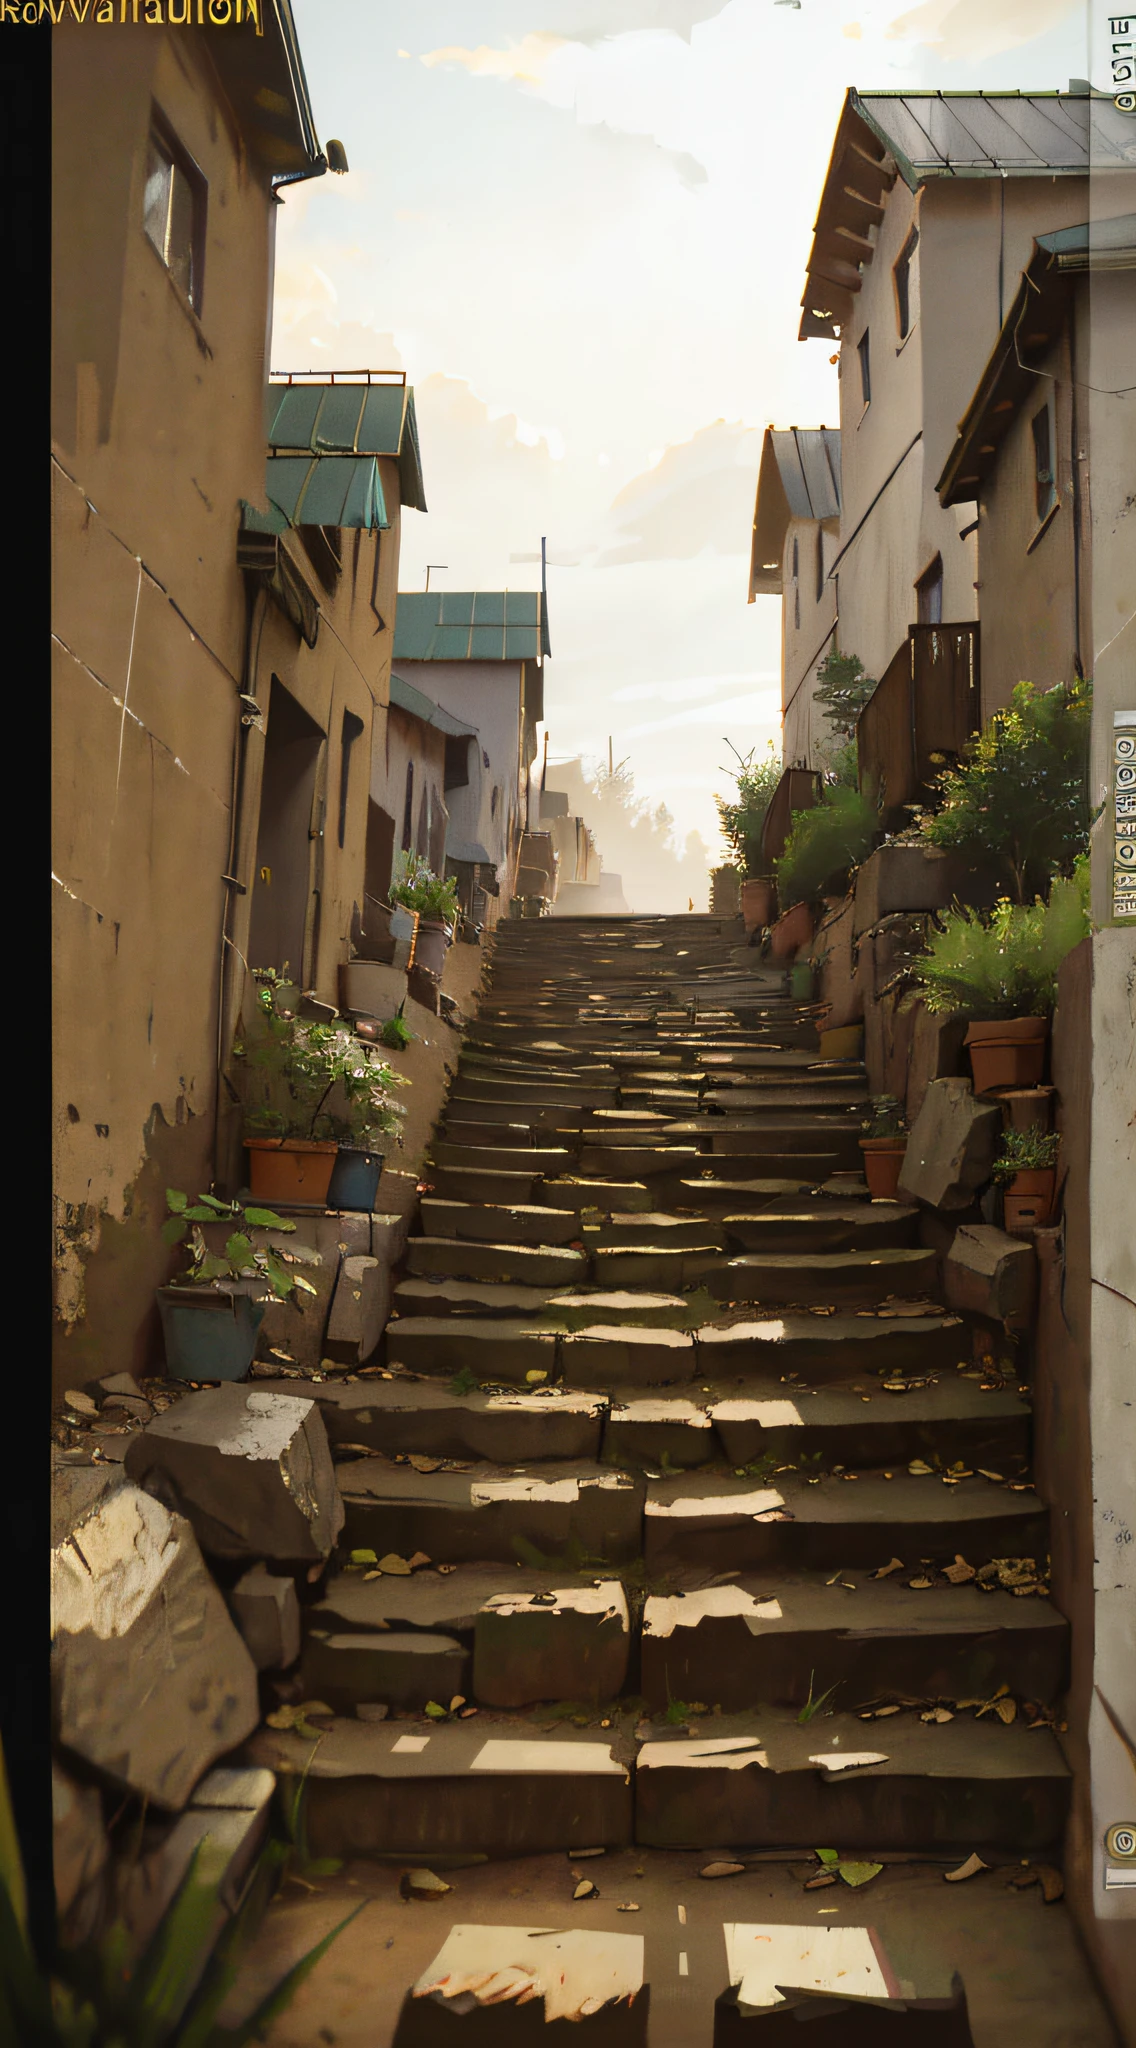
column 708, row 1486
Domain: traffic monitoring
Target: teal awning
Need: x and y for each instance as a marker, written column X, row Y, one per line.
column 419, row 705
column 327, row 490
column 349, row 419
column 470, row 625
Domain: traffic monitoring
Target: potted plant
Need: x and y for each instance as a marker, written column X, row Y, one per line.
column 211, row 1313
column 823, row 847
column 434, row 902
column 1027, row 1164
column 1000, row 973
column 883, row 1146
column 372, row 1120
column 741, row 819
column 309, row 1088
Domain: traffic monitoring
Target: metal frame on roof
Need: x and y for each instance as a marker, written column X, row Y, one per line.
column 920, row 136
column 799, row 478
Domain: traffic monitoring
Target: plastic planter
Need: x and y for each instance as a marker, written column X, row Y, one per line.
column 354, row 1182
column 1007, row 1052
column 209, row 1333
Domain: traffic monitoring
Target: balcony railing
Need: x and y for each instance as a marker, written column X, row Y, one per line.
column 921, row 714
column 798, row 790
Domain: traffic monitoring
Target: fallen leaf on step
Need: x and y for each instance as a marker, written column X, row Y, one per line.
column 918, row 1467
column 722, row 1870
column 1052, row 1883
column 938, row 1714
column 629, row 1906
column 423, row 1464
column 418, row 1561
column 959, row 1572
column 997, row 1477
column 422, row 1884
column 436, row 1712
column 447, row 1567
column 817, row 1883
column 585, row 1889
column 970, row 1868
column 920, row 1585
column 534, row 1377
column 856, row 1874
column 396, row 1567
column 1006, row 1711
column 457, row 1701
column 464, row 1713
column 371, row 1710
column 363, row 1557
column 886, row 1570
column 833, row 1579
column 879, row 1713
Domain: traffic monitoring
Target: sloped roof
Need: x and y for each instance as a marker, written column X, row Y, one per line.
column 419, row 705
column 262, row 70
column 470, row 625
column 329, row 418
column 1030, row 328
column 799, row 478
column 327, row 490
column 922, row 135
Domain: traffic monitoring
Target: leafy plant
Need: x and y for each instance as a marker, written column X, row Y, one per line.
column 287, row 1068
column 824, row 844
column 1029, row 1151
column 396, row 1033
column 417, row 887
column 1004, row 965
column 886, row 1119
column 1022, row 790
column 742, row 817
column 99, row 1995
column 241, row 1258
column 464, row 1381
column 842, row 691
column 813, row 1704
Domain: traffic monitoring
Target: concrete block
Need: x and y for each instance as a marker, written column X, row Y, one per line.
column 265, row 1608
column 935, row 1052
column 987, row 1273
column 359, row 1310
column 952, row 1145
column 227, row 1823
column 389, row 1232
column 76, row 1491
column 571, row 1643
column 151, row 1682
column 840, row 989
column 887, row 950
column 250, row 1470
column 897, row 878
column 406, row 1669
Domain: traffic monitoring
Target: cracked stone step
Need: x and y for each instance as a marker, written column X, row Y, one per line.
column 747, row 1167
column 468, row 1134
column 641, row 1430
column 708, row 1523
column 541, row 1094
column 623, row 1305
column 526, row 1223
column 528, row 1635
column 458, row 1259
column 656, row 1228
column 501, row 1158
column 649, row 1266
column 488, row 1346
column 606, row 1354
column 754, row 1148
column 400, row 1415
column 638, row 1162
column 841, row 1277
column 443, row 1297
column 958, row 1785
column 829, row 1347
column 770, row 1638
column 482, row 1184
column 397, row 1669
column 492, row 1786
column 827, row 1227
column 465, row 1112
column 862, row 1424
column 604, row 1195
column 493, row 1513
column 764, row 1196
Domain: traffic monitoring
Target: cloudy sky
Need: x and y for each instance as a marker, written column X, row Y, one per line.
column 580, row 226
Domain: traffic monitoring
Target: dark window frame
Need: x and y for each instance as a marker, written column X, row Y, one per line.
column 929, row 594
column 864, row 354
column 164, row 140
column 901, row 277
column 1044, row 461
column 381, row 627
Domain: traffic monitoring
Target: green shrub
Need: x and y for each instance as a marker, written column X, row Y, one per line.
column 842, row 691
column 1022, row 790
column 417, row 887
column 1029, row 1151
column 1005, row 964
column 823, row 845
column 742, row 817
column 886, row 1119
column 287, row 1068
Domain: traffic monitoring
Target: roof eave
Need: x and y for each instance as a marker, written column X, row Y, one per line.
column 264, row 81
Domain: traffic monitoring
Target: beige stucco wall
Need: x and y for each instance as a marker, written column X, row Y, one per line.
column 156, row 436
column 808, row 623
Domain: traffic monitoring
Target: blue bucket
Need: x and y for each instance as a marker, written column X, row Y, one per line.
column 208, row 1335
column 354, row 1182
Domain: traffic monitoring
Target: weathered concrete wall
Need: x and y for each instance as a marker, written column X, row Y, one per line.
column 156, row 436
column 808, row 625
column 491, row 809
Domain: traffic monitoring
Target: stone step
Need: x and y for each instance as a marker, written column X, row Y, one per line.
column 777, row 1097
column 461, row 1260
column 651, row 1266
column 537, row 1113
column 864, row 1424
column 755, row 1149
column 501, row 1158
column 947, row 1786
column 822, row 1348
column 655, row 1227
column 840, row 1277
column 494, row 1514
column 604, row 1355
column 604, row 1195
column 830, row 1227
column 775, row 1637
column 768, row 1195
column 619, row 1306
column 638, row 1162
column 524, row 1635
column 542, row 1094
column 492, row 1786
column 466, row 1133
column 438, row 1296
column 706, row 1523
column 489, row 1347
column 481, row 1184
column 396, row 1670
column 426, row 1417
column 523, row 1223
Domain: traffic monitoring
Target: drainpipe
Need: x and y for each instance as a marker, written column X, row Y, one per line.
column 250, row 714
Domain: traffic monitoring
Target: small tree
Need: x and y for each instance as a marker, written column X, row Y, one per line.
column 1022, row 789
column 842, row 691
column 742, row 817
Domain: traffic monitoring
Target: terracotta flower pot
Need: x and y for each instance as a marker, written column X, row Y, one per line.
column 883, row 1164
column 1007, row 1052
column 1028, row 1201
column 1028, row 1109
column 791, row 932
column 291, row 1169
column 759, row 905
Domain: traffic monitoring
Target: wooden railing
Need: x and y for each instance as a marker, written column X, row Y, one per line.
column 920, row 716
column 798, row 790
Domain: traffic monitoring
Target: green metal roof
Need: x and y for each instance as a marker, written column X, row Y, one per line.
column 421, row 706
column 470, row 625
column 349, row 419
column 327, row 490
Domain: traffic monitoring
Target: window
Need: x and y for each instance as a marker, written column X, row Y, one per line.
column 456, row 771
column 819, row 563
column 863, row 350
column 173, row 213
column 322, row 545
column 375, row 583
column 352, row 728
column 408, row 809
column 796, row 584
column 929, row 595
column 906, row 276
column 1043, row 453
